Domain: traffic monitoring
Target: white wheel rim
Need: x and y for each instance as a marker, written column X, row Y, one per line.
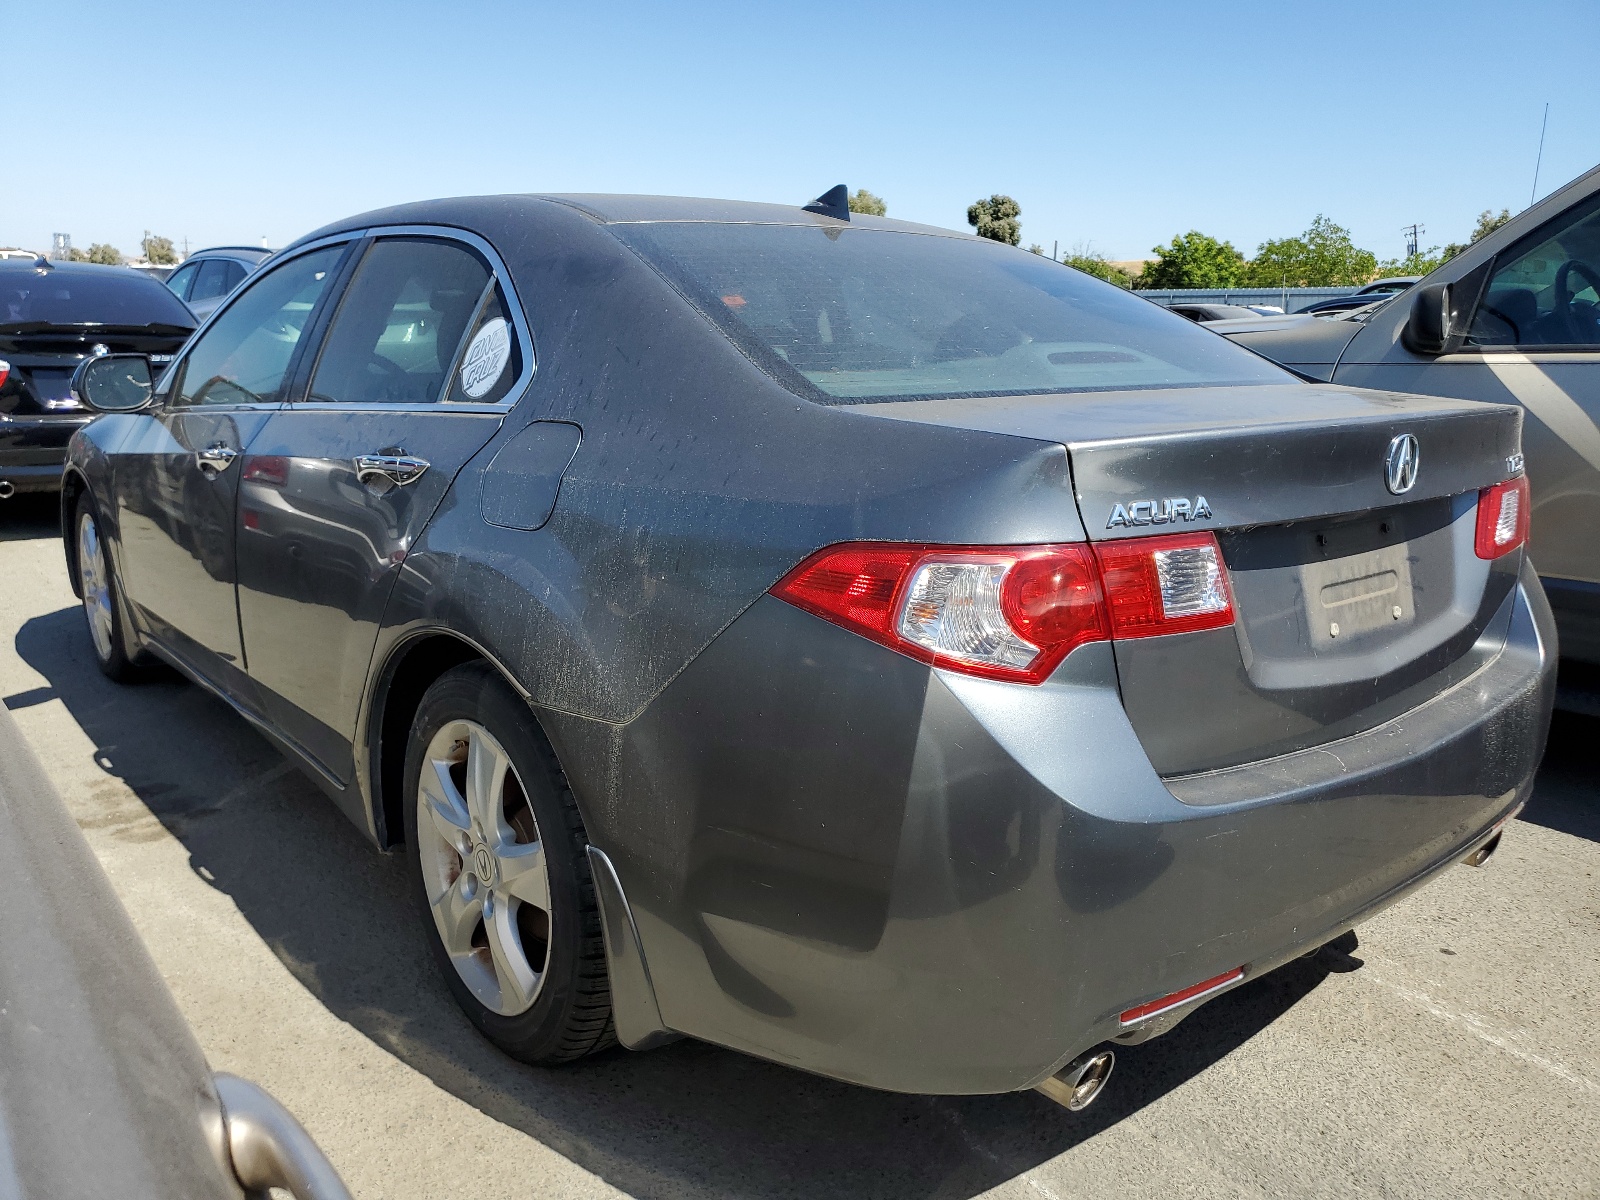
column 484, row 867
column 94, row 579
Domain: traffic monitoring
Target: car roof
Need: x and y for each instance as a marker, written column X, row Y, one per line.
column 470, row 211
column 254, row 253
column 17, row 266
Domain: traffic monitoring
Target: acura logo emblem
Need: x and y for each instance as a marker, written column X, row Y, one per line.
column 1400, row 466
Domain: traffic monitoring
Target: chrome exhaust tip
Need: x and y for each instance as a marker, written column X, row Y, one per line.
column 7, row 489
column 1481, row 855
column 1078, row 1084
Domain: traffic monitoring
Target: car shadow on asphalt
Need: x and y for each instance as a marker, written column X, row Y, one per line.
column 687, row 1119
column 29, row 516
column 1564, row 799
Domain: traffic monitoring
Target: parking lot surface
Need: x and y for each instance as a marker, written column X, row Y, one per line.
column 1451, row 1049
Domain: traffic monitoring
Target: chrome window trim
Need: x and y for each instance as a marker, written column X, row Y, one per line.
column 514, row 312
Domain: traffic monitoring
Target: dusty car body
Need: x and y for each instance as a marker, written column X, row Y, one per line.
column 712, row 546
column 1520, row 309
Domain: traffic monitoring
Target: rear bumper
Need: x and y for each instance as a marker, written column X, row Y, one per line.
column 33, row 450
column 923, row 882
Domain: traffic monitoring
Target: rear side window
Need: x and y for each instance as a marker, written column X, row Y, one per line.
column 401, row 322
column 855, row 315
column 243, row 356
column 491, row 361
column 110, row 296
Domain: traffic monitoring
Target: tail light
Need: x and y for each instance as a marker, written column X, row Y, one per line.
column 1012, row 612
column 1165, row 585
column 1502, row 517
column 5, row 371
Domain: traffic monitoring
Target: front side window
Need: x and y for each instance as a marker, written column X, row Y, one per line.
column 1545, row 290
column 178, row 282
column 245, row 354
column 401, row 323
column 854, row 315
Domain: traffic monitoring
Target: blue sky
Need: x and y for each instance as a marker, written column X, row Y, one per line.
column 1114, row 125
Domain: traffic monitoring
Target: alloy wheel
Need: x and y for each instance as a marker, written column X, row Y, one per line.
column 483, row 864
column 95, row 581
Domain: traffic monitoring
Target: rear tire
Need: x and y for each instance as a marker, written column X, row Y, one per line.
column 487, row 813
column 102, row 598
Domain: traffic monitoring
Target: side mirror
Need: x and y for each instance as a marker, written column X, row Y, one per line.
column 113, row 383
column 1431, row 329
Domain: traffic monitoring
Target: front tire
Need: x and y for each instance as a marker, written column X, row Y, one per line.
column 102, row 601
column 500, row 871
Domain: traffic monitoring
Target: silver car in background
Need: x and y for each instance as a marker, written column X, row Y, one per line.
column 208, row 277
column 1516, row 319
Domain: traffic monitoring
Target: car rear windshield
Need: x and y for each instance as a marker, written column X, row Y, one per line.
column 857, row 315
column 88, row 298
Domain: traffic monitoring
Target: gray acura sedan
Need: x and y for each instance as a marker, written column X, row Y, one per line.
column 880, row 650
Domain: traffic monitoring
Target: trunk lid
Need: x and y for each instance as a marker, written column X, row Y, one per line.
column 1352, row 603
column 41, row 358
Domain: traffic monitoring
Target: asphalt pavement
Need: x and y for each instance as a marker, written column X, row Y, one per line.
column 1451, row 1048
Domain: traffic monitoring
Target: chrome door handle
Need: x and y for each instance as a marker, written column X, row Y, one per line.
column 389, row 469
column 215, row 458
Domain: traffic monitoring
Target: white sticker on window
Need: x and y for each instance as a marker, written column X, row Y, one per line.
column 486, row 358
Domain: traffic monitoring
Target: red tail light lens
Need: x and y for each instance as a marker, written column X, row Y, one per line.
column 1001, row 612
column 1502, row 517
column 5, row 371
column 1159, row 585
column 1012, row 612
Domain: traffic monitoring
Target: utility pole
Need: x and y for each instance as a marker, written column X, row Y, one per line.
column 1413, row 238
column 1055, row 248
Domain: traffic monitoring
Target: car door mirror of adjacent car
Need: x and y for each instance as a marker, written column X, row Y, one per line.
column 114, row 383
column 1431, row 328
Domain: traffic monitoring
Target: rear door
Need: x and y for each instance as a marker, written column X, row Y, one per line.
column 421, row 360
column 176, row 475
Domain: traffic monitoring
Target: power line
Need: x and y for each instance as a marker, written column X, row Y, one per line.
column 1413, row 238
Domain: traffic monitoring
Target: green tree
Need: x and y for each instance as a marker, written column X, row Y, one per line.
column 1323, row 256
column 998, row 219
column 1194, row 260
column 1419, row 263
column 158, row 250
column 105, row 254
column 1488, row 222
column 1094, row 264
column 868, row 205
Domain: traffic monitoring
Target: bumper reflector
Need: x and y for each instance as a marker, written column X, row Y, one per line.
column 1143, row 1012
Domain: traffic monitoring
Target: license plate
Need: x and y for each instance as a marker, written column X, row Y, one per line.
column 1349, row 597
column 52, row 385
